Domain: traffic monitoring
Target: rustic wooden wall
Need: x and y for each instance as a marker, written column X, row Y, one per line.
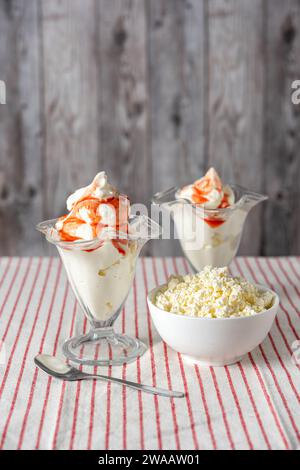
column 153, row 91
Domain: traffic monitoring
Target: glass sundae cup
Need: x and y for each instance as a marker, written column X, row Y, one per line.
column 101, row 272
column 208, row 236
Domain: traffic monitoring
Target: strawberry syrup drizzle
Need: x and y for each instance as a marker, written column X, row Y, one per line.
column 201, row 190
column 71, row 221
column 214, row 223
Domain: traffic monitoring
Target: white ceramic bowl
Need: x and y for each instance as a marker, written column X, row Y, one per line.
column 212, row 341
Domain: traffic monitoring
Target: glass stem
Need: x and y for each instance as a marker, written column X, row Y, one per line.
column 97, row 333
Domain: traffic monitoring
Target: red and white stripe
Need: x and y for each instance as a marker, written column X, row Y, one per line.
column 254, row 404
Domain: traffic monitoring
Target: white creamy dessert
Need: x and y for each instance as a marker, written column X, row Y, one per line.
column 210, row 227
column 212, row 293
column 100, row 276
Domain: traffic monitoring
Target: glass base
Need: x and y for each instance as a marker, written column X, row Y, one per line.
column 103, row 347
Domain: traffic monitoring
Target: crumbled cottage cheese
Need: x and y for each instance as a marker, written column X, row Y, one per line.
column 212, row 293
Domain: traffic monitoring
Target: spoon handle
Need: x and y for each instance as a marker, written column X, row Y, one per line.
column 137, row 386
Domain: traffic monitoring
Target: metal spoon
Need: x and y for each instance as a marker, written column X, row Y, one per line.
column 60, row 370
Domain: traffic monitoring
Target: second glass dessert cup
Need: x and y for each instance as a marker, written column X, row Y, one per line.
column 208, row 236
column 101, row 274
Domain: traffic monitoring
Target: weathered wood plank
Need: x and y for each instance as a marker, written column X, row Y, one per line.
column 20, row 129
column 123, row 109
column 176, row 42
column 30, row 89
column 70, row 99
column 9, row 130
column 282, row 130
column 123, row 95
column 236, row 100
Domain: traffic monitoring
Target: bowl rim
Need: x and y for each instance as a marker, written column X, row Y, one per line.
column 190, row 318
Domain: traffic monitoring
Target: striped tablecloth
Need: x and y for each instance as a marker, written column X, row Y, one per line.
column 250, row 405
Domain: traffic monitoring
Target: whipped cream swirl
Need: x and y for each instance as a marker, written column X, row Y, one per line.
column 94, row 209
column 209, row 192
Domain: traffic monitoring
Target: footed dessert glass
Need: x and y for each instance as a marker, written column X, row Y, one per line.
column 101, row 272
column 208, row 236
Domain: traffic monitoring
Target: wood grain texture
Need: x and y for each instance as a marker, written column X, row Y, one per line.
column 154, row 92
column 123, row 109
column 123, row 104
column 9, row 128
column 20, row 129
column 70, row 75
column 177, row 96
column 236, row 100
column 282, row 130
